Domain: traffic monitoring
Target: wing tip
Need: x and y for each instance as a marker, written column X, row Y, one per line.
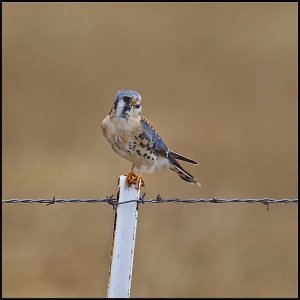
column 183, row 158
column 191, row 161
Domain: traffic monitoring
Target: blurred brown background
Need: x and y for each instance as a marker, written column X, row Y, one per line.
column 218, row 82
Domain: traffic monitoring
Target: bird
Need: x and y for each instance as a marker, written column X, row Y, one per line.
column 134, row 138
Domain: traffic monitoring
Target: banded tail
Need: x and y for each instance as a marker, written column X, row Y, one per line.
column 177, row 168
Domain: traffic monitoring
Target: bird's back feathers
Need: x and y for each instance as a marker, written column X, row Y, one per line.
column 162, row 149
column 153, row 137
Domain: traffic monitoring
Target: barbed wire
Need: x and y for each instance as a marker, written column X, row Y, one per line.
column 114, row 201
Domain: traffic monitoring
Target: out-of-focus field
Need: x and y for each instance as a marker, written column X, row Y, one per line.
column 218, row 82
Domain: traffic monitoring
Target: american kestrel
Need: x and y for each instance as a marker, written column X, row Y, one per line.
column 134, row 138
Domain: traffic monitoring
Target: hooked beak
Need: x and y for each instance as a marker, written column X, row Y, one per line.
column 135, row 103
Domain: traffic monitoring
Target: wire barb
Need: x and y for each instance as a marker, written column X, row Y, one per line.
column 51, row 201
column 158, row 198
column 111, row 201
column 142, row 198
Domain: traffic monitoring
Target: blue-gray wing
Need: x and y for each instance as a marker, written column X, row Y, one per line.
column 157, row 144
column 153, row 138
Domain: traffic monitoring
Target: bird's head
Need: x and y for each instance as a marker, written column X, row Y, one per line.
column 127, row 104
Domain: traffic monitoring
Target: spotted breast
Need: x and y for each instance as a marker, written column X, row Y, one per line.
column 135, row 140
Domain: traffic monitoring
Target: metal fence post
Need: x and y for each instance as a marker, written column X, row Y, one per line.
column 123, row 242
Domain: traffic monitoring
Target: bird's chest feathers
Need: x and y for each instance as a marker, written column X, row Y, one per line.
column 120, row 132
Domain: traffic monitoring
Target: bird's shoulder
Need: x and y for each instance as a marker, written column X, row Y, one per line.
column 146, row 124
column 152, row 135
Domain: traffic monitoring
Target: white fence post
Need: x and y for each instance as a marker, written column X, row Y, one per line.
column 123, row 242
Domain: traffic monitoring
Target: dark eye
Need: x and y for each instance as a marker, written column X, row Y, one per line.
column 126, row 99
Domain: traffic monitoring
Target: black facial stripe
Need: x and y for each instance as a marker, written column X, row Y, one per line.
column 126, row 108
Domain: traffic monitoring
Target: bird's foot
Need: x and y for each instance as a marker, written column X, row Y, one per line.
column 134, row 179
column 140, row 182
